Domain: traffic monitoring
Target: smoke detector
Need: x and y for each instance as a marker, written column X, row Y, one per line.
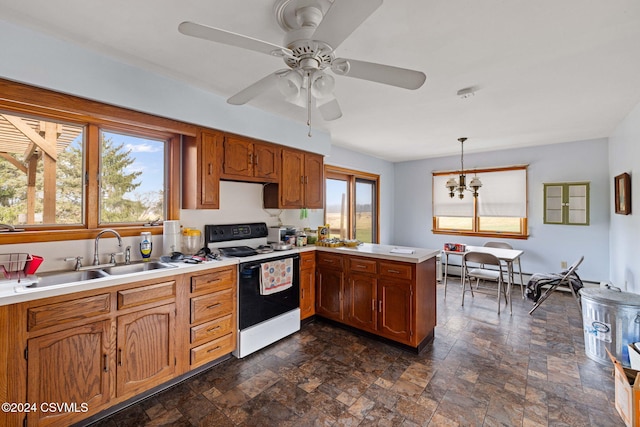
column 466, row 93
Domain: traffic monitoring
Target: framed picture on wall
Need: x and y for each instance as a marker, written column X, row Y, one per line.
column 622, row 187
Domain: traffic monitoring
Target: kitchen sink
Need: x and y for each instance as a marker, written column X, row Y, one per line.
column 136, row 267
column 67, row 277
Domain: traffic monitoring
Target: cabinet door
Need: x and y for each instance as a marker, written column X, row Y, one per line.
column 74, row 365
column 395, row 309
column 292, row 181
column 210, row 170
column 360, row 301
column 266, row 162
column 146, row 355
column 566, row 203
column 329, row 288
column 238, row 158
column 307, row 292
column 314, row 182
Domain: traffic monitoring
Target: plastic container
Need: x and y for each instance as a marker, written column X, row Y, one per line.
column 611, row 320
column 32, row 265
column 146, row 245
column 191, row 240
column 171, row 237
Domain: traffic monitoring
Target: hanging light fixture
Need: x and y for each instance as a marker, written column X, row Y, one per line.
column 461, row 184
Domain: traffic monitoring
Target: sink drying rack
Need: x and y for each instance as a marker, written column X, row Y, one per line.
column 14, row 266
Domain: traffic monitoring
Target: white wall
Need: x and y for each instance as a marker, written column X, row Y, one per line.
column 547, row 244
column 624, row 235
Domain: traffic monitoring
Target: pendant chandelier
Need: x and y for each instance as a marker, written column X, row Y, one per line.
column 460, row 185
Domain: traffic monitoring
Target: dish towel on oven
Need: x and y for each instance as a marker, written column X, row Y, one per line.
column 276, row 276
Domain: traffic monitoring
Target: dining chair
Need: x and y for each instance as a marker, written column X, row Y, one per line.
column 505, row 245
column 474, row 266
column 568, row 278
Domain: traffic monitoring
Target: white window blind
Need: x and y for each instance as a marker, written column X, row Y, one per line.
column 443, row 205
column 503, row 194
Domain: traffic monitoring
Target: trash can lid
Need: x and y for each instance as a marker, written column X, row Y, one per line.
column 610, row 296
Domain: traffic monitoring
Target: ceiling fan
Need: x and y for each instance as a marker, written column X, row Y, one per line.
column 314, row 29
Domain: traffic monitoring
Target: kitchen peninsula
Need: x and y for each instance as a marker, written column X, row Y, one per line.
column 143, row 332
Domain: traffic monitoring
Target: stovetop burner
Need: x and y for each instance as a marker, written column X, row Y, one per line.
column 238, row 251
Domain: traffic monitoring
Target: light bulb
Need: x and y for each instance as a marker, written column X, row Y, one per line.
column 289, row 84
column 323, row 85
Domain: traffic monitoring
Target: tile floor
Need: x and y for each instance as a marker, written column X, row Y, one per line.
column 482, row 369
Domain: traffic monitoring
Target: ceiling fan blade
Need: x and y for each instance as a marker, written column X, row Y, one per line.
column 342, row 18
column 330, row 110
column 387, row 74
column 233, row 39
column 250, row 92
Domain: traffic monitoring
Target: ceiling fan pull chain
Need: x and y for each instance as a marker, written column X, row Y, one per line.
column 309, row 103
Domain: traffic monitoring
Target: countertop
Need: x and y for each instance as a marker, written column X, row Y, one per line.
column 12, row 292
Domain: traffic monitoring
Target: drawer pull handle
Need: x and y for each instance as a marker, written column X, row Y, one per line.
column 120, row 357
column 214, row 305
column 106, row 363
column 394, row 271
column 214, row 349
column 330, row 261
column 210, row 168
column 213, row 329
column 361, row 266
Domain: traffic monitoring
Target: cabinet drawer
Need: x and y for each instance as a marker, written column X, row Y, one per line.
column 211, row 306
column 67, row 311
column 211, row 330
column 146, row 294
column 363, row 265
column 397, row 270
column 212, row 350
column 216, row 280
column 329, row 260
column 307, row 260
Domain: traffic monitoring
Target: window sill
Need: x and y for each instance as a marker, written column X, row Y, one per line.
column 37, row 236
column 482, row 234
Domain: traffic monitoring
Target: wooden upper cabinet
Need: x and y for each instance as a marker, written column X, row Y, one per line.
column 201, row 170
column 314, row 181
column 301, row 183
column 248, row 160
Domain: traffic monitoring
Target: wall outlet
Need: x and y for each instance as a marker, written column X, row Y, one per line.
column 563, row 264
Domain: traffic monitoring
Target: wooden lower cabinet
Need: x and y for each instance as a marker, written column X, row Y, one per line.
column 212, row 318
column 361, row 298
column 70, row 366
column 145, row 355
column 395, row 310
column 95, row 349
column 392, row 299
column 307, row 284
column 329, row 291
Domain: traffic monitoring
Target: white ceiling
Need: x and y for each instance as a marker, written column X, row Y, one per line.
column 545, row 71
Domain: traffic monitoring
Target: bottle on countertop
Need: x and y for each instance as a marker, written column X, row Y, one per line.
column 146, row 245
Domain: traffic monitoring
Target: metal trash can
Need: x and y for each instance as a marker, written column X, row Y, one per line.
column 611, row 320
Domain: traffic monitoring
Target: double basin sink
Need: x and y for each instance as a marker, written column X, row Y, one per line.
column 59, row 278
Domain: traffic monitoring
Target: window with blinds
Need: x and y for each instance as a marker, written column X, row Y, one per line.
column 499, row 210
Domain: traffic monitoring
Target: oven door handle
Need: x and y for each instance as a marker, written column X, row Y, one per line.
column 249, row 269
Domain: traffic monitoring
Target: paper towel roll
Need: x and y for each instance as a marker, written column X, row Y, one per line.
column 171, row 227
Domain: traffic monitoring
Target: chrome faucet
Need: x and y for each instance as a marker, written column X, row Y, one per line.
column 96, row 257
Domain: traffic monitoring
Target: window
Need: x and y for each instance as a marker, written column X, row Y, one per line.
column 131, row 183
column 69, row 166
column 41, row 171
column 351, row 204
column 500, row 210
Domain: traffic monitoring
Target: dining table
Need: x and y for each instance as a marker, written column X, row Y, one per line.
column 508, row 256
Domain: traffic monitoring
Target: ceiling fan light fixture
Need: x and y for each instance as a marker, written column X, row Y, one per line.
column 322, row 85
column 340, row 66
column 289, row 84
